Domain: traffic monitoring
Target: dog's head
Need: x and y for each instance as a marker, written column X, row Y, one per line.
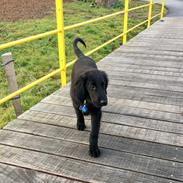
column 93, row 84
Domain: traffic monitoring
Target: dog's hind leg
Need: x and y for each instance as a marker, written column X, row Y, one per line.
column 95, row 128
column 80, row 120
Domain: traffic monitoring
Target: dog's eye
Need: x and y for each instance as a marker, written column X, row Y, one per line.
column 93, row 87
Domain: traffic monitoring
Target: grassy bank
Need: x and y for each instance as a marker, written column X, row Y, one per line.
column 36, row 59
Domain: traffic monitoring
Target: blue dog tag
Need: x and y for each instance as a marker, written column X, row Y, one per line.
column 83, row 108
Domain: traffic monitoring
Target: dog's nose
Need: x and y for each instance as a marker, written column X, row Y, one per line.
column 103, row 102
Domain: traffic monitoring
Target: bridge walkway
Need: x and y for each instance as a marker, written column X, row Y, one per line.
column 141, row 137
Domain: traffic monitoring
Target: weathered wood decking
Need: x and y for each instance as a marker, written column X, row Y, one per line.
column 141, row 136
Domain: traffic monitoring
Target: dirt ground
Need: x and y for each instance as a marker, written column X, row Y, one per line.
column 13, row 10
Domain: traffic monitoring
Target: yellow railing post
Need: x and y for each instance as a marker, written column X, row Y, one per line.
column 162, row 8
column 125, row 25
column 61, row 40
column 150, row 13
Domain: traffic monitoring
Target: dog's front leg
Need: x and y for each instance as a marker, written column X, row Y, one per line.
column 80, row 120
column 95, row 127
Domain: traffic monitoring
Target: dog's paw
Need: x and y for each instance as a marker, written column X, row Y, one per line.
column 81, row 126
column 94, row 151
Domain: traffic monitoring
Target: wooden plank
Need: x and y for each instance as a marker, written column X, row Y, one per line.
column 66, row 101
column 139, row 132
column 117, row 119
column 12, row 174
column 137, row 93
column 79, row 152
column 152, row 45
column 54, row 128
column 144, row 71
column 147, row 79
column 156, row 41
column 165, row 31
column 116, row 107
column 155, row 73
column 149, row 45
column 132, row 90
column 155, row 34
column 166, row 35
column 116, row 62
column 137, row 66
column 118, row 110
column 131, row 93
column 143, row 84
column 147, row 97
column 139, row 50
column 146, row 56
column 161, row 47
column 156, row 86
column 120, row 130
column 131, row 120
column 144, row 68
column 144, row 75
column 146, row 107
column 75, row 168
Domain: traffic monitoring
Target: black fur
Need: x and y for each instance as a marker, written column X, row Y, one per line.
column 88, row 85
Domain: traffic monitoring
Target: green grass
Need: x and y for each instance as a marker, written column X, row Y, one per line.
column 36, row 59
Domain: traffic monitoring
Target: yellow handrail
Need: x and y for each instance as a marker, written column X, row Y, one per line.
column 28, row 39
column 138, row 7
column 61, row 44
column 93, row 20
column 150, row 13
column 18, row 92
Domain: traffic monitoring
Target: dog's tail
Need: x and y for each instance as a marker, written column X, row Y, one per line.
column 77, row 51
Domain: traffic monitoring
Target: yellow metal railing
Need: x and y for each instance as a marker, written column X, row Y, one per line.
column 150, row 13
column 61, row 43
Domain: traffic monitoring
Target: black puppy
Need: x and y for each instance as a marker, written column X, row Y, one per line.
column 89, row 94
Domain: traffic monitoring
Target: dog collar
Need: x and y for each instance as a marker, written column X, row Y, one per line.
column 83, row 108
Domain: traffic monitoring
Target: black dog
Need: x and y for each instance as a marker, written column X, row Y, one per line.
column 89, row 94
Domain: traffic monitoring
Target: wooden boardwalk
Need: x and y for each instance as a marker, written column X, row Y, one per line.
column 141, row 135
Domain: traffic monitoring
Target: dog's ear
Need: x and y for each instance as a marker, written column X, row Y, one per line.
column 105, row 79
column 80, row 89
